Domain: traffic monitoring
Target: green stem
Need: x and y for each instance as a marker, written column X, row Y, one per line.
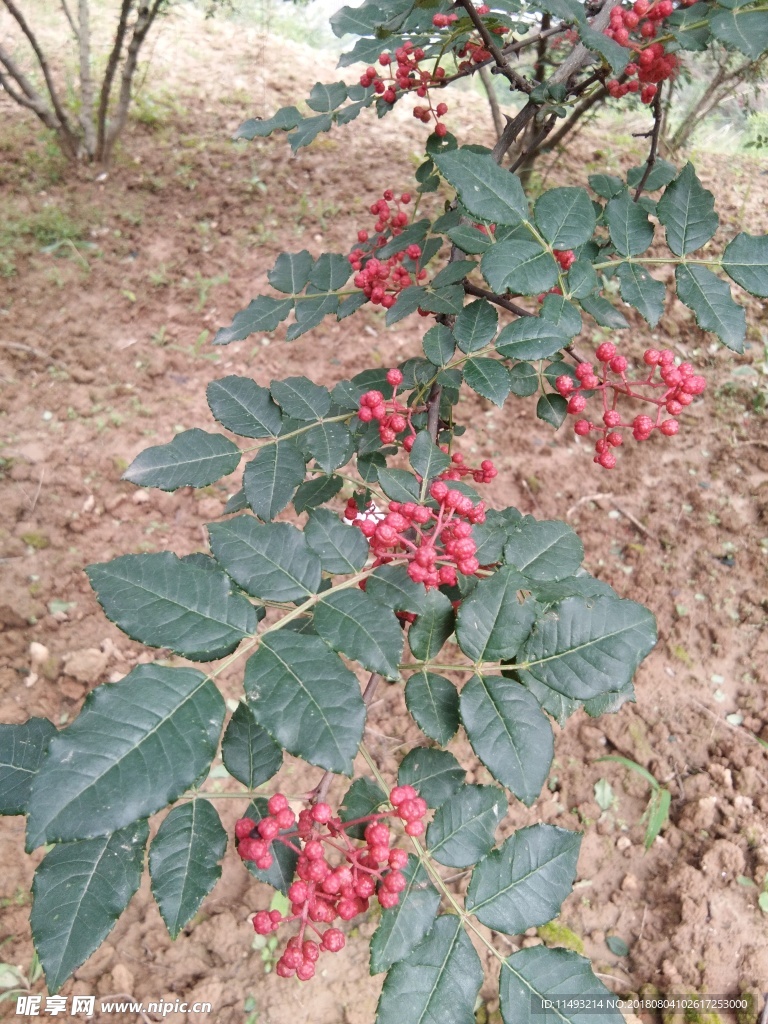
column 299, row 430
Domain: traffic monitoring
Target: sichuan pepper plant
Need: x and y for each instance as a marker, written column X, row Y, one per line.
column 387, row 564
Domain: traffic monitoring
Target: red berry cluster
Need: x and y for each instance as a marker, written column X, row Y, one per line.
column 434, row 542
column 393, row 417
column 483, row 475
column 565, row 257
column 324, row 891
column 383, row 280
column 408, row 77
column 650, row 64
column 679, row 385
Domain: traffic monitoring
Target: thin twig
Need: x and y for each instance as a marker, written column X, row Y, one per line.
column 502, row 67
column 493, row 101
column 497, row 300
column 70, row 19
column 635, row 522
column 17, row 346
column 587, row 498
column 657, row 116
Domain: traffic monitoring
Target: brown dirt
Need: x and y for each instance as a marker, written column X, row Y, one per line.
column 104, row 351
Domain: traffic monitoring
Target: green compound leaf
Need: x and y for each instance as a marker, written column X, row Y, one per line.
column 282, row 871
column 470, row 240
column 299, row 398
column 433, row 701
column 585, row 647
column 475, row 325
column 324, row 98
column 426, row 458
column 745, row 261
column 533, row 975
column 239, row 404
column 399, row 484
column 488, row 378
column 393, row 587
column 562, row 313
column 603, row 312
column 438, row 982
column 363, row 797
column 330, row 445
column 249, row 753
column 263, row 314
column 565, row 216
column 330, row 272
column 439, row 344
column 687, row 212
column 404, row 926
column 432, row 627
column 136, row 746
column 285, row 119
column 642, row 291
column 301, row 693
column 605, row 185
column 22, row 748
column 272, row 561
column 485, row 189
column 464, row 827
column 746, row 31
column 524, row 380
column 509, row 733
column 435, row 774
column 79, row 891
column 311, row 312
column 315, row 492
column 492, row 622
column 662, row 172
column 341, row 548
column 308, row 129
column 581, row 279
column 271, row 478
column 531, row 338
column 524, row 882
column 713, row 305
column 291, row 272
column 193, row 458
column 163, row 601
column 521, row 267
column 631, row 230
column 544, row 549
column 184, row 861
column 357, row 625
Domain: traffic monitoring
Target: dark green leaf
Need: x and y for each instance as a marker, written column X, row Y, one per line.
column 434, row 703
column 249, row 753
column 262, row 314
column 690, row 26
column 616, row 55
column 435, row 774
column 300, row 398
column 521, row 267
column 438, row 981
column 291, row 272
column 393, row 587
column 136, row 746
column 399, row 484
column 603, row 312
column 544, row 549
column 713, row 305
column 631, row 231
column 452, row 273
column 408, row 301
column 366, row 631
column 533, row 975
column 687, row 212
column 587, row 646
column 464, row 827
column 642, row 291
column 426, row 458
column 164, row 602
column 582, row 279
column 448, row 300
column 509, row 733
column 488, row 378
column 271, row 478
column 324, row 98
column 282, row 871
column 80, row 890
column 404, row 926
column 193, row 458
column 565, row 216
column 257, row 127
column 184, row 861
column 330, row 444
column 531, row 338
column 492, row 622
column 432, row 627
column 342, row 548
column 351, row 304
column 270, row 561
column 330, row 272
column 524, row 380
column 562, row 313
column 311, row 312
column 746, row 31
column 316, row 492
column 605, row 185
column 662, row 172
column 745, row 261
column 439, row 344
column 476, row 325
column 485, row 189
column 22, row 748
column 363, row 797
column 308, row 129
column 243, row 407
column 414, row 234
column 470, row 240
column 302, row 694
column 524, row 882
column 235, row 503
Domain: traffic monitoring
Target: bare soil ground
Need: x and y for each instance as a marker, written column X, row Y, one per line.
column 104, row 350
